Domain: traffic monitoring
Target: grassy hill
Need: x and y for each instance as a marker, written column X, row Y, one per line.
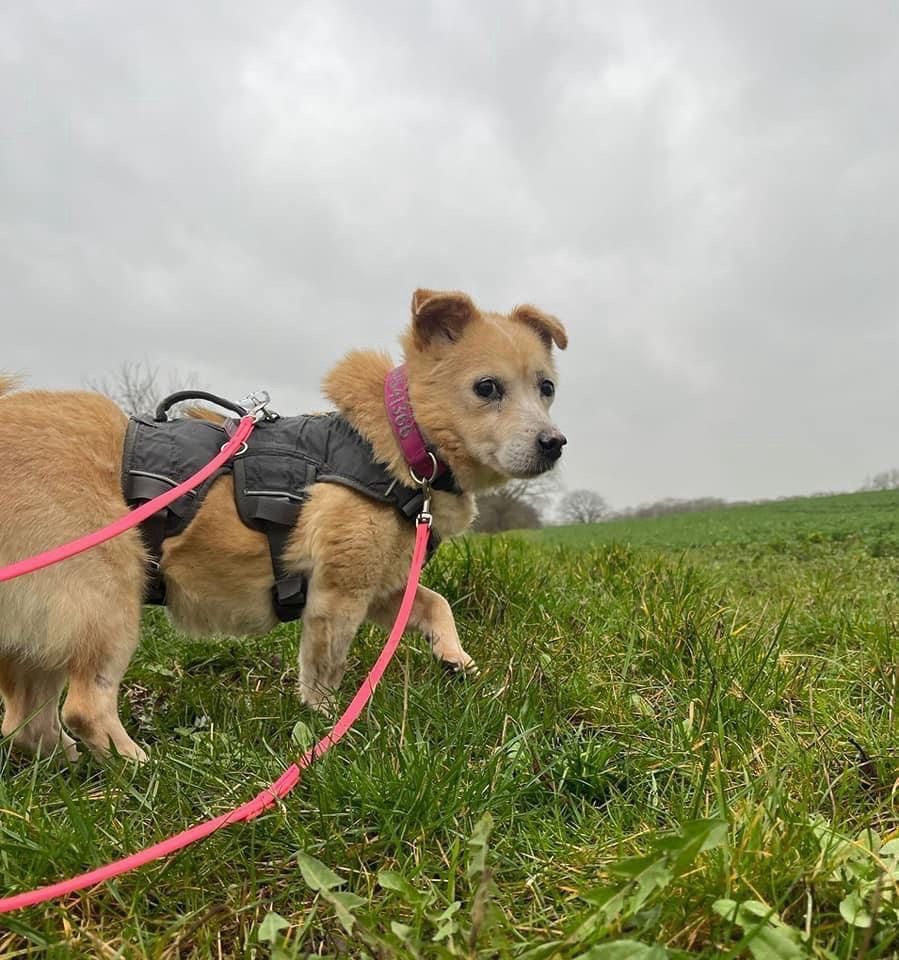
column 683, row 743
column 865, row 517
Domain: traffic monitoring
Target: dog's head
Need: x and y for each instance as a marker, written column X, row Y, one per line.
column 482, row 385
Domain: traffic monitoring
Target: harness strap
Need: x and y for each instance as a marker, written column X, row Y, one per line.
column 153, row 531
column 289, row 591
column 276, row 518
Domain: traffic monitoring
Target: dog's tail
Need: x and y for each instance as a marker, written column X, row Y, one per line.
column 196, row 412
column 9, row 382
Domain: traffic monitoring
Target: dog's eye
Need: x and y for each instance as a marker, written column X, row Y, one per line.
column 547, row 388
column 488, row 389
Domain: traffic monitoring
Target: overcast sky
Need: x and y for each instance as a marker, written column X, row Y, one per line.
column 706, row 193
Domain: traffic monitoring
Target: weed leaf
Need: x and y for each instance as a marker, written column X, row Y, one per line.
column 766, row 935
column 272, row 924
column 316, row 874
column 477, row 844
column 344, row 904
column 623, row 950
column 854, row 910
column 397, row 883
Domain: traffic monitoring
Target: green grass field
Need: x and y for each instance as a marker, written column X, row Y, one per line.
column 682, row 743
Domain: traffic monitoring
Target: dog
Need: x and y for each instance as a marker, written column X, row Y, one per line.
column 477, row 388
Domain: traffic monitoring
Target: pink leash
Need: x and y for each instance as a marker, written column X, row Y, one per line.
column 291, row 776
column 136, row 516
column 262, row 801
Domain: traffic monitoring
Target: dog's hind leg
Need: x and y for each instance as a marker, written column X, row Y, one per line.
column 31, row 702
column 91, row 705
column 91, row 709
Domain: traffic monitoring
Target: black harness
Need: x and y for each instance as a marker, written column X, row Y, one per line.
column 284, row 456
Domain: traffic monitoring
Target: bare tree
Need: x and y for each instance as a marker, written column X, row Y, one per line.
column 135, row 386
column 518, row 505
column 500, row 511
column 887, row 480
column 539, row 492
column 582, row 506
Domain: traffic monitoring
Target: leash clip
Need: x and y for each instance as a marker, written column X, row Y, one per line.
column 424, row 515
column 256, row 405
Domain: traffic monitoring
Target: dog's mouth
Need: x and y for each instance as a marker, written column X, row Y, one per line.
column 535, row 470
column 533, row 467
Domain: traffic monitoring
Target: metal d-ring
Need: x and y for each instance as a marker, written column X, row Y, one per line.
column 433, row 475
column 242, row 449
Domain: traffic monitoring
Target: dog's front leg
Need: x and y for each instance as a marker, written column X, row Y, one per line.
column 434, row 617
column 330, row 622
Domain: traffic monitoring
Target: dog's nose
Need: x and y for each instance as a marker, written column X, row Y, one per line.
column 551, row 443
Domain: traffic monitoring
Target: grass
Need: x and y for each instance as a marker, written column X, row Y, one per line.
column 682, row 743
column 868, row 518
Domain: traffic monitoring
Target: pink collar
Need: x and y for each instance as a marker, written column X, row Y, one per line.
column 422, row 462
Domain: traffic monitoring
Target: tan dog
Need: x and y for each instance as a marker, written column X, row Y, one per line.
column 480, row 386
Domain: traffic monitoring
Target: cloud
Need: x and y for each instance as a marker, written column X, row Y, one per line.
column 706, row 194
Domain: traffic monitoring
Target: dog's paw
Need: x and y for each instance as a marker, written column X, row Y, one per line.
column 120, row 751
column 466, row 669
column 321, row 701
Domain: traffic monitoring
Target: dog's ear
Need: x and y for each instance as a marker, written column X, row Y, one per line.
column 440, row 316
column 548, row 327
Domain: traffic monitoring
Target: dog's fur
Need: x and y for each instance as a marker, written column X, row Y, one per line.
column 78, row 622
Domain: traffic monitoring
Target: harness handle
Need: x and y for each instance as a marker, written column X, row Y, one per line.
column 181, row 395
